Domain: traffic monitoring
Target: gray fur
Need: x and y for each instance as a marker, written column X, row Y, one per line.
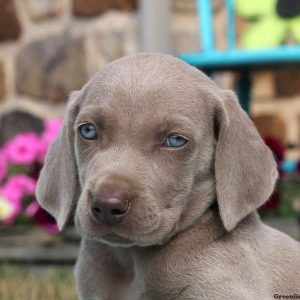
column 173, row 243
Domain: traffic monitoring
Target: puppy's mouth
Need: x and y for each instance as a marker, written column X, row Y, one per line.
column 115, row 240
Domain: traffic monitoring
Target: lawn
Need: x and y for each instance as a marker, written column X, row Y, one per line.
column 36, row 283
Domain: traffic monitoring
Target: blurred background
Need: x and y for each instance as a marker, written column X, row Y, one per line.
column 49, row 48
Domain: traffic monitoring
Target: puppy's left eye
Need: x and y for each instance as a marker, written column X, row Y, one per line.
column 175, row 141
column 88, row 131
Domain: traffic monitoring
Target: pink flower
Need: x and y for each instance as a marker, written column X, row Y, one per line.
column 23, row 148
column 11, row 196
column 9, row 208
column 52, row 128
column 298, row 167
column 41, row 217
column 3, row 164
column 18, row 186
column 32, row 209
column 52, row 125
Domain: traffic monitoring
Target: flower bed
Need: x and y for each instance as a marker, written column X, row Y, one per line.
column 21, row 160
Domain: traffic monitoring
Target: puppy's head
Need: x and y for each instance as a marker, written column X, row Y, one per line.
column 146, row 146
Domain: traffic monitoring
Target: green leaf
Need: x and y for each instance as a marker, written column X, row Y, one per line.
column 251, row 9
column 267, row 33
column 18, row 169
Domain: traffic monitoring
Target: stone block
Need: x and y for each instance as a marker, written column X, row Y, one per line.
column 17, row 121
column 185, row 35
column 271, row 125
column 114, row 35
column 43, row 9
column 287, row 81
column 10, row 27
column 184, row 6
column 263, row 85
column 241, row 26
column 125, row 5
column 220, row 23
column 90, row 8
column 189, row 6
column 51, row 68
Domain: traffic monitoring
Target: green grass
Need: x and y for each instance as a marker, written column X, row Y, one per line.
column 36, row 283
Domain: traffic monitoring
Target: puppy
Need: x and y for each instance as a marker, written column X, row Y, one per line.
column 166, row 172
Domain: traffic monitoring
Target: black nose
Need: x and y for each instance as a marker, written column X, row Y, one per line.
column 109, row 210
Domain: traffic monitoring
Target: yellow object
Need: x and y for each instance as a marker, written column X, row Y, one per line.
column 6, row 208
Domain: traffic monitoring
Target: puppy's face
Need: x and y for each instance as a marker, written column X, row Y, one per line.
column 146, row 146
column 138, row 139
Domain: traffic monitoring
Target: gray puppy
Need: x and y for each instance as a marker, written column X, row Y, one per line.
column 166, row 172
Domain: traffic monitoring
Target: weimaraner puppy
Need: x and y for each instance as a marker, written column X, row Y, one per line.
column 166, row 172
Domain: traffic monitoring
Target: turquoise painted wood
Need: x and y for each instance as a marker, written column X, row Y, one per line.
column 242, row 57
column 211, row 59
column 205, row 25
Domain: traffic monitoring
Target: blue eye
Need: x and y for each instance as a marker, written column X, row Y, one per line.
column 175, row 141
column 88, row 131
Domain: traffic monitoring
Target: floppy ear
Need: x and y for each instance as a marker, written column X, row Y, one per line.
column 58, row 185
column 245, row 168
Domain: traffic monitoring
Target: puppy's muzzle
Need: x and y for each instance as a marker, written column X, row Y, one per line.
column 111, row 198
column 110, row 210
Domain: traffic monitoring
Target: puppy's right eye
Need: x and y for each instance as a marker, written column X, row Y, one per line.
column 88, row 131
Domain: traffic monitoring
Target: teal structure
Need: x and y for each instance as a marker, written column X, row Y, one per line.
column 210, row 59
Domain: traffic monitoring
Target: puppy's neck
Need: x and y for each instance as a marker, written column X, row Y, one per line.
column 137, row 266
column 206, row 229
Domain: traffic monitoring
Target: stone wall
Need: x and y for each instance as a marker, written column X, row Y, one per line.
column 51, row 47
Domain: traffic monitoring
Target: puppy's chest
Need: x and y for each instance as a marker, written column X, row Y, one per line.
column 144, row 286
column 154, row 280
column 159, row 279
column 152, row 289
